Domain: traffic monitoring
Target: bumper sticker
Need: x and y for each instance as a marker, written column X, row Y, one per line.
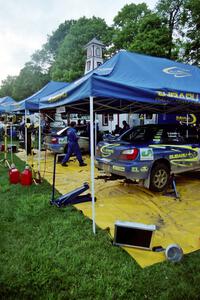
column 118, row 168
column 146, row 154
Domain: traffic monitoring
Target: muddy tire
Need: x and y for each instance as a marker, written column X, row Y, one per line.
column 159, row 178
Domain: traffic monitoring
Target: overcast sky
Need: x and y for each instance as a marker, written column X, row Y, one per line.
column 25, row 24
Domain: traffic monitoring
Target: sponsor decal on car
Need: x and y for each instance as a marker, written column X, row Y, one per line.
column 135, row 169
column 144, row 169
column 183, row 155
column 118, row 168
column 146, row 154
column 107, row 150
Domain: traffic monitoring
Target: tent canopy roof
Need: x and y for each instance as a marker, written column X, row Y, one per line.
column 5, row 103
column 32, row 102
column 130, row 82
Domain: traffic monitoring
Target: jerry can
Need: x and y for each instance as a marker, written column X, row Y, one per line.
column 14, row 175
column 26, row 176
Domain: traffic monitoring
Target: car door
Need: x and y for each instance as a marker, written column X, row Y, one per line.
column 192, row 137
column 183, row 147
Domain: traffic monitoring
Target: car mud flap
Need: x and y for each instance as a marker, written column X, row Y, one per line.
column 146, row 182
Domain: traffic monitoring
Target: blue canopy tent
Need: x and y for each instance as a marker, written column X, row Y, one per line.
column 32, row 103
column 5, row 104
column 130, row 82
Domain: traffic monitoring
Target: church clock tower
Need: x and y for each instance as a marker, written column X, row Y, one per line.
column 94, row 55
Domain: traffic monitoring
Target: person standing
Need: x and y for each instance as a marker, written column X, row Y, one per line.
column 2, row 128
column 125, row 127
column 73, row 146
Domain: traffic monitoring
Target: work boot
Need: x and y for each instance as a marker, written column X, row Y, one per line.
column 82, row 164
column 64, row 165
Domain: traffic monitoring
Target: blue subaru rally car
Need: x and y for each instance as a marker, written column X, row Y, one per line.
column 150, row 153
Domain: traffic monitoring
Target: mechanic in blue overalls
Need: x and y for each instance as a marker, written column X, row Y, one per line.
column 73, row 146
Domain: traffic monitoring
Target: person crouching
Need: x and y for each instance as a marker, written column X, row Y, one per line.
column 73, row 146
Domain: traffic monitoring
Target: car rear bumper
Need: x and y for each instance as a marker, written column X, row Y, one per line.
column 130, row 170
column 56, row 148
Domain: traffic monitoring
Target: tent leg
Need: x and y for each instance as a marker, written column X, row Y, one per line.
column 25, row 124
column 95, row 122
column 39, row 143
column 92, row 162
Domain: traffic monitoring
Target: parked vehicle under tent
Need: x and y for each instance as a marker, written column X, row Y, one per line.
column 31, row 105
column 130, row 82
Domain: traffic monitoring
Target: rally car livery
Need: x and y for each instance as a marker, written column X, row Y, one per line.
column 150, row 153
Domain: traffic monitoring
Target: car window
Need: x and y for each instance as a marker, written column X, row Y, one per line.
column 173, row 135
column 140, row 134
column 191, row 135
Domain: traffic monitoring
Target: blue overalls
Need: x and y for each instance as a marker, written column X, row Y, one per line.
column 73, row 146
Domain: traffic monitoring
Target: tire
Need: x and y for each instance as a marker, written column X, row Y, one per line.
column 159, row 177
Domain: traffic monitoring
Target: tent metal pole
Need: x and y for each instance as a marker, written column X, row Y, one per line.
column 25, row 124
column 39, row 143
column 11, row 141
column 92, row 162
column 95, row 121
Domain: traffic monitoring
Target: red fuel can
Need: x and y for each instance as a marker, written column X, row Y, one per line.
column 26, row 176
column 14, row 175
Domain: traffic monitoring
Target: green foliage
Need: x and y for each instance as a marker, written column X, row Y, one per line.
column 45, row 57
column 70, row 61
column 191, row 21
column 126, row 24
column 51, row 253
column 171, row 12
column 152, row 37
column 57, row 37
column 7, row 86
column 30, row 79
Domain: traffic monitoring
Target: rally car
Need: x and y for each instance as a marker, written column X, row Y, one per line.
column 150, row 153
column 57, row 142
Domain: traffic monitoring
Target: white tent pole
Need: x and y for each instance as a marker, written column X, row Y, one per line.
column 39, row 141
column 95, row 122
column 11, row 140
column 25, row 125
column 92, row 163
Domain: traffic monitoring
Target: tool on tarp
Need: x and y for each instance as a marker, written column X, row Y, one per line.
column 173, row 192
column 173, row 252
column 72, row 197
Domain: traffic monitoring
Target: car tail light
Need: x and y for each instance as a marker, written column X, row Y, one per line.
column 129, row 154
column 54, row 140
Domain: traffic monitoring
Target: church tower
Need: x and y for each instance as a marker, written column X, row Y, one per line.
column 94, row 55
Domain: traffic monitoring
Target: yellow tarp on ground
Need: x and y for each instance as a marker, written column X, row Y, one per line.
column 176, row 221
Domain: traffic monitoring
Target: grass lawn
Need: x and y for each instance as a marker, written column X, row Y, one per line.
column 51, row 253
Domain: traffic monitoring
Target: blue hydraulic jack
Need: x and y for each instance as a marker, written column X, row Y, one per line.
column 72, row 197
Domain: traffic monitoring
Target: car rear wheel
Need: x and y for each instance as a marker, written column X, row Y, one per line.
column 159, row 177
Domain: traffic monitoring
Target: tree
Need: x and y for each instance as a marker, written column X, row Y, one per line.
column 70, row 61
column 152, row 37
column 191, row 22
column 45, row 57
column 126, row 24
column 7, row 86
column 171, row 12
column 57, row 37
column 30, row 80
